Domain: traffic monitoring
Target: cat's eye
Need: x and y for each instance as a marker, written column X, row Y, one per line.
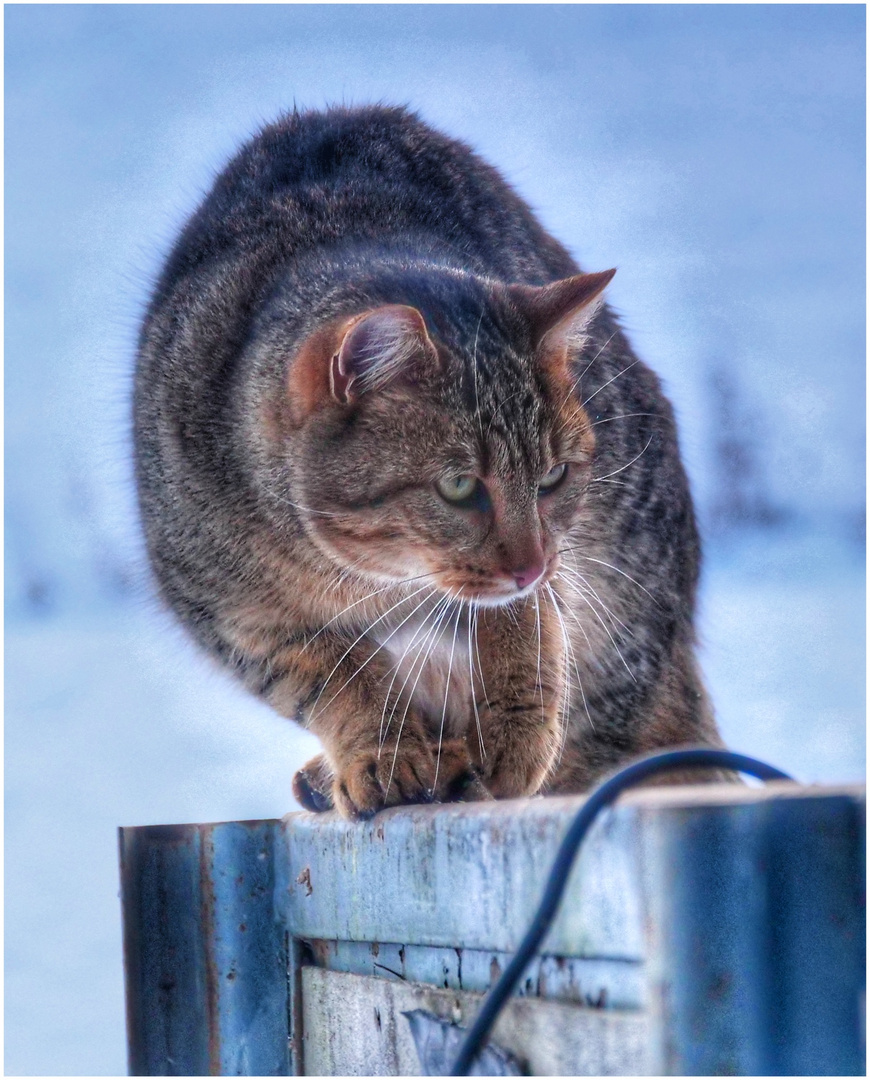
column 457, row 489
column 551, row 480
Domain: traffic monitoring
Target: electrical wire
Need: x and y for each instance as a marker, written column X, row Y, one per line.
column 601, row 797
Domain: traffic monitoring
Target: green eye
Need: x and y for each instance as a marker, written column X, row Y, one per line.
column 457, row 489
column 553, row 478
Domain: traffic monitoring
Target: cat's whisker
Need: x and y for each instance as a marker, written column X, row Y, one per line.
column 601, row 562
column 538, row 626
column 624, row 416
column 583, row 404
column 389, row 636
column 413, row 691
column 567, row 637
column 566, row 678
column 579, row 378
column 307, row 509
column 616, row 568
column 508, row 609
column 570, row 611
column 637, row 457
column 436, row 615
column 353, row 645
column 363, row 599
column 477, row 653
column 588, row 603
column 472, row 617
column 474, row 371
column 446, row 695
column 397, row 667
column 501, row 404
column 575, row 580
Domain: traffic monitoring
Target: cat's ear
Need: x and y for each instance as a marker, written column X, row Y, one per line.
column 342, row 360
column 377, row 348
column 562, row 310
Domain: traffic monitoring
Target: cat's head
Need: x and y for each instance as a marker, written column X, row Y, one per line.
column 444, row 441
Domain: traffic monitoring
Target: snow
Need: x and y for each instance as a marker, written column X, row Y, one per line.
column 713, row 153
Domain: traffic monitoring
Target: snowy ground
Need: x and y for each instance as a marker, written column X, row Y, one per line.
column 112, row 721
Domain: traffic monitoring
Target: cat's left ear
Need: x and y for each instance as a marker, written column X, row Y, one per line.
column 561, row 311
column 377, row 348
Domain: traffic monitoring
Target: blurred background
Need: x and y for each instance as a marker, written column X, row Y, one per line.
column 715, row 154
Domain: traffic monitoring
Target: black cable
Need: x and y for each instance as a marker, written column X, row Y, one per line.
column 601, row 797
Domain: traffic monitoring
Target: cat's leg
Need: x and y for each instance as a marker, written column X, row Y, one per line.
column 375, row 744
column 519, row 693
column 676, row 713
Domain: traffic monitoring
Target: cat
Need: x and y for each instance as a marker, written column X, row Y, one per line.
column 400, row 472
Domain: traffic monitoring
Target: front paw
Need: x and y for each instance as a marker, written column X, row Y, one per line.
column 372, row 781
column 312, row 785
column 458, row 778
column 520, row 761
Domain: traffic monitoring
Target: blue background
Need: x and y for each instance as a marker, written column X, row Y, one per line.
column 715, row 154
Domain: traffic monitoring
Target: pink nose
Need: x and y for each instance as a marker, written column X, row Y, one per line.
column 528, row 575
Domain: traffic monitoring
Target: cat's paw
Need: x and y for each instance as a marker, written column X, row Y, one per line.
column 312, row 785
column 520, row 762
column 373, row 781
column 458, row 778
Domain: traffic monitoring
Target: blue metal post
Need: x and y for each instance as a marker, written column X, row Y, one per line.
column 205, row 957
column 757, row 922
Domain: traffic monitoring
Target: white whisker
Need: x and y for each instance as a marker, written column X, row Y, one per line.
column 609, row 381
column 367, row 630
column 566, row 696
column 579, row 378
column 538, row 625
column 601, row 562
column 446, row 695
column 622, row 416
column 599, row 479
column 472, row 617
column 362, row 600
column 587, row 602
column 433, row 638
column 575, row 580
column 397, row 667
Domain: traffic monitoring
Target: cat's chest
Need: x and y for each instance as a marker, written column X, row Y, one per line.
column 429, row 664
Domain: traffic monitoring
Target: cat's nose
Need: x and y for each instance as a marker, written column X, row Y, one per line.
column 528, row 575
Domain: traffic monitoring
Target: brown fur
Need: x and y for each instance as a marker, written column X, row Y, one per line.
column 361, row 315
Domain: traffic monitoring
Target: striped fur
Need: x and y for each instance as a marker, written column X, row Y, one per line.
column 360, row 310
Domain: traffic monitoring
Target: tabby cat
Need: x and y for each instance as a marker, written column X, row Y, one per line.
column 400, row 471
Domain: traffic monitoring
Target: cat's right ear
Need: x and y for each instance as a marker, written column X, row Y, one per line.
column 341, row 362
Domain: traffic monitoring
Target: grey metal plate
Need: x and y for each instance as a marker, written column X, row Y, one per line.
column 353, row 1026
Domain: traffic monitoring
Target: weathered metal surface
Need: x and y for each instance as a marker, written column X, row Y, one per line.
column 469, row 874
column 206, row 961
column 757, row 935
column 241, row 938
column 596, row 983
column 353, row 1026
